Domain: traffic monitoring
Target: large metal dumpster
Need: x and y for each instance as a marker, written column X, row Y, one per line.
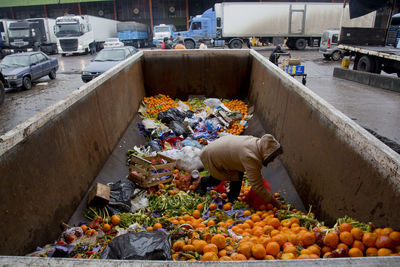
column 48, row 162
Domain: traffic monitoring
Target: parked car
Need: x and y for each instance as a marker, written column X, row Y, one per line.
column 21, row 69
column 2, row 91
column 113, row 42
column 328, row 46
column 105, row 60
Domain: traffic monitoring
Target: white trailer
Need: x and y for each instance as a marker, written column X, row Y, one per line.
column 302, row 23
column 48, row 37
column 80, row 34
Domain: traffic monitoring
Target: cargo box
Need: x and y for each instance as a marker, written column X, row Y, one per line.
column 48, row 163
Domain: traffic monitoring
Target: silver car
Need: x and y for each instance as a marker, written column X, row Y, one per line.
column 328, row 46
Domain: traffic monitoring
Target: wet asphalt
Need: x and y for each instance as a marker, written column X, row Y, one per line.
column 375, row 109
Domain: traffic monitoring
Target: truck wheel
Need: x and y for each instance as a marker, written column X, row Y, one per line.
column 63, row 55
column 336, row 55
column 189, row 44
column 235, row 44
column 52, row 74
column 327, row 56
column 301, row 44
column 26, row 83
column 366, row 64
column 2, row 93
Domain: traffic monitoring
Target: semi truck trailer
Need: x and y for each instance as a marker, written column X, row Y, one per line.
column 133, row 33
column 49, row 162
column 160, row 32
column 302, row 24
column 80, row 34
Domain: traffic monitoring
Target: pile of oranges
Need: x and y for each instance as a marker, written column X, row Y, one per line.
column 265, row 237
column 159, row 103
column 237, row 105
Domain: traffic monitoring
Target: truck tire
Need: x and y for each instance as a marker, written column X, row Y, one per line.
column 189, row 44
column 366, row 63
column 336, row 55
column 52, row 74
column 2, row 93
column 327, row 56
column 26, row 83
column 235, row 44
column 301, row 44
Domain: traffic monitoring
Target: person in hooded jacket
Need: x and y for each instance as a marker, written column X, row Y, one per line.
column 275, row 55
column 165, row 44
column 229, row 157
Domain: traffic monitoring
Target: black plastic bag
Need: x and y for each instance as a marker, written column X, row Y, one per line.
column 120, row 196
column 172, row 114
column 178, row 128
column 189, row 114
column 154, row 245
column 154, row 145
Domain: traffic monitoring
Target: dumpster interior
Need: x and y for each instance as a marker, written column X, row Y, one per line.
column 328, row 161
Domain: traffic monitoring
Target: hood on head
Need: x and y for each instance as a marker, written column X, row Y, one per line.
column 267, row 145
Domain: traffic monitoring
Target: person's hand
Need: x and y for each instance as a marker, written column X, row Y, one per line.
column 276, row 203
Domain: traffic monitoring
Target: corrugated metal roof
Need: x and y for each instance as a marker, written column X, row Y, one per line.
column 15, row 3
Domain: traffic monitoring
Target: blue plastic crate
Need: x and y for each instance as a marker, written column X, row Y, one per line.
column 295, row 69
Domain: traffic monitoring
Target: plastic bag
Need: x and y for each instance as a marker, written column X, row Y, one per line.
column 172, row 114
column 189, row 159
column 213, row 124
column 120, row 196
column 190, row 142
column 149, row 124
column 152, row 245
column 154, row 145
column 253, row 200
column 178, row 128
column 212, row 102
column 139, row 201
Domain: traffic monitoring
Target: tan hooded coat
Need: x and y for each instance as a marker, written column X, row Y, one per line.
column 229, row 155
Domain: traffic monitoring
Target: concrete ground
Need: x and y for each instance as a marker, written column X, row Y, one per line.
column 373, row 108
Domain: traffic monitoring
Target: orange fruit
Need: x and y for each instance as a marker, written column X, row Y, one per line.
column 314, row 249
column 149, row 228
column 386, row 231
column 272, row 248
column 331, row 239
column 211, row 222
column 358, row 244
column 84, row 228
column 289, row 249
column 369, row 239
column 245, row 249
column 115, row 219
column 371, row 252
column 213, row 206
column 343, row 245
column 199, row 245
column 357, row 233
column 188, row 248
column 269, row 257
column 196, row 214
column 246, row 213
column 210, row 248
column 274, row 222
column 227, row 206
column 307, row 238
column 178, row 245
column 303, row 256
column 209, row 256
column 200, row 207
column 106, row 227
column 395, row 236
column 384, row 241
column 238, row 257
column 255, row 218
column 258, row 231
column 157, row 226
column 219, row 240
column 355, row 252
column 345, row 227
column 346, row 237
column 280, row 239
column 325, row 250
column 384, row 252
column 258, row 251
column 225, row 258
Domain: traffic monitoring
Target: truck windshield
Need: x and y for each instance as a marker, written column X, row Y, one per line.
column 68, row 30
column 161, row 29
column 15, row 61
column 19, row 33
column 111, row 55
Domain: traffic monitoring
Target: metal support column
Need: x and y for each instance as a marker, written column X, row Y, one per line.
column 79, row 8
column 12, row 13
column 115, row 11
column 45, row 11
column 151, row 14
column 187, row 15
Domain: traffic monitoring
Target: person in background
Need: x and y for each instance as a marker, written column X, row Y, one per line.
column 165, row 44
column 180, row 45
column 202, row 45
column 179, row 38
column 227, row 158
column 275, row 55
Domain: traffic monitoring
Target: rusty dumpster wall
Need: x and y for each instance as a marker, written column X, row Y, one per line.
column 44, row 177
column 335, row 165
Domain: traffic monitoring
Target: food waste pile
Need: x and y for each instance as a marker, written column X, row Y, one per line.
column 170, row 220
